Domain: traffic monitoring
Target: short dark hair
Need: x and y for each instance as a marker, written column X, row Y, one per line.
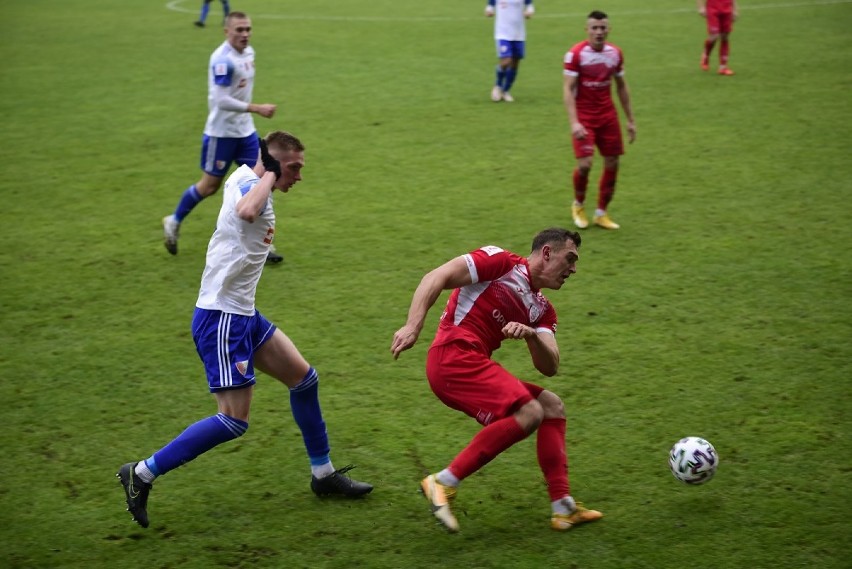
column 598, row 15
column 555, row 235
column 284, row 141
column 236, row 16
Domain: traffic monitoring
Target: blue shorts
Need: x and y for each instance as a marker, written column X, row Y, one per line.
column 226, row 344
column 508, row 48
column 217, row 154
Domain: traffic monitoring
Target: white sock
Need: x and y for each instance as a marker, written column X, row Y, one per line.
column 143, row 472
column 447, row 478
column 322, row 470
column 600, row 212
column 578, row 204
column 564, row 505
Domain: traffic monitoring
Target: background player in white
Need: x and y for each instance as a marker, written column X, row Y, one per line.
column 233, row 338
column 510, row 36
column 229, row 135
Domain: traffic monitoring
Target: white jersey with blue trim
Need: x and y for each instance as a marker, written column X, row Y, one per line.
column 237, row 251
column 233, row 73
column 509, row 21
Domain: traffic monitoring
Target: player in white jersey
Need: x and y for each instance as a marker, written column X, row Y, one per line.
column 233, row 338
column 510, row 36
column 229, row 134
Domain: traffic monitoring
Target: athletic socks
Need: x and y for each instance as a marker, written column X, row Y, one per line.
column 606, row 188
column 188, row 201
column 197, row 439
column 205, row 8
column 509, row 78
column 487, row 444
column 552, row 459
column 305, row 406
column 724, row 49
column 581, row 183
column 501, row 76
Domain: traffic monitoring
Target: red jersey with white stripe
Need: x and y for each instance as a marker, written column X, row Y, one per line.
column 720, row 6
column 594, row 71
column 501, row 292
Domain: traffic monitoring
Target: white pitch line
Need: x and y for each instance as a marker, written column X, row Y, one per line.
column 176, row 6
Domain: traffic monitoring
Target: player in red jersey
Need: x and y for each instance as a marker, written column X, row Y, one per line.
column 590, row 67
column 720, row 15
column 497, row 296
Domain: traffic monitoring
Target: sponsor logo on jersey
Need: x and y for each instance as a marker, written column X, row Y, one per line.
column 491, row 250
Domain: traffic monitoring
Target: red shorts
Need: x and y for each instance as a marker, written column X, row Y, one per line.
column 719, row 23
column 469, row 381
column 605, row 135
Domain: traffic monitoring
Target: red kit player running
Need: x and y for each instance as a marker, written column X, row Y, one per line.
column 590, row 67
column 720, row 15
column 497, row 296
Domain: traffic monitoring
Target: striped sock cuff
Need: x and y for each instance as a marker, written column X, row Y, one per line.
column 310, row 379
column 237, row 427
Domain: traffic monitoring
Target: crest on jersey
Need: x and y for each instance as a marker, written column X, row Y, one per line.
column 242, row 367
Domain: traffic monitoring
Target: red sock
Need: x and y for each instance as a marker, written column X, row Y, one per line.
column 724, row 49
column 607, row 188
column 708, row 47
column 550, row 447
column 581, row 182
column 487, row 444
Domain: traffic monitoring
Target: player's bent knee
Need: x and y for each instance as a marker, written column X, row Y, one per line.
column 552, row 405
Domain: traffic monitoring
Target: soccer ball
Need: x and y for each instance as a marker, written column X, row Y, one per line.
column 693, row 460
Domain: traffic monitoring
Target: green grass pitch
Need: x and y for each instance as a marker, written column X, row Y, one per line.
column 722, row 308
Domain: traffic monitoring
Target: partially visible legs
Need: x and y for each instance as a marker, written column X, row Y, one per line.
column 510, row 54
column 553, row 461
column 279, row 358
column 202, row 17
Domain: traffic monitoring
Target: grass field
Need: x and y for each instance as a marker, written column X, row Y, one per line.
column 722, row 308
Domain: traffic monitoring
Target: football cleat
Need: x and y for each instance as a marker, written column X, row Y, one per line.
column 199, row 24
column 705, row 62
column 605, row 222
column 171, row 230
column 339, row 485
column 726, row 71
column 580, row 515
column 496, row 94
column 579, row 215
column 135, row 492
column 439, row 497
column 273, row 258
column 508, row 97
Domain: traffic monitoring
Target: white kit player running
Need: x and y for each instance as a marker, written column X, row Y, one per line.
column 510, row 35
column 233, row 338
column 229, row 134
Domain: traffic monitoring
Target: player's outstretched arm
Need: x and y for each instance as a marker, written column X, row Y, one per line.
column 451, row 274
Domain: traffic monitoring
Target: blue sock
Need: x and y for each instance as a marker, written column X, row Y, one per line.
column 197, row 439
column 304, row 403
column 501, row 74
column 226, row 7
column 509, row 78
column 188, row 200
column 205, row 7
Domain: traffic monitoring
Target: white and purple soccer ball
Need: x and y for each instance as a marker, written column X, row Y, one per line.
column 693, row 460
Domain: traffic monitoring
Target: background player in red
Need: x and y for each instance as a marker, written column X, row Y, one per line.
column 497, row 296
column 720, row 15
column 589, row 69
